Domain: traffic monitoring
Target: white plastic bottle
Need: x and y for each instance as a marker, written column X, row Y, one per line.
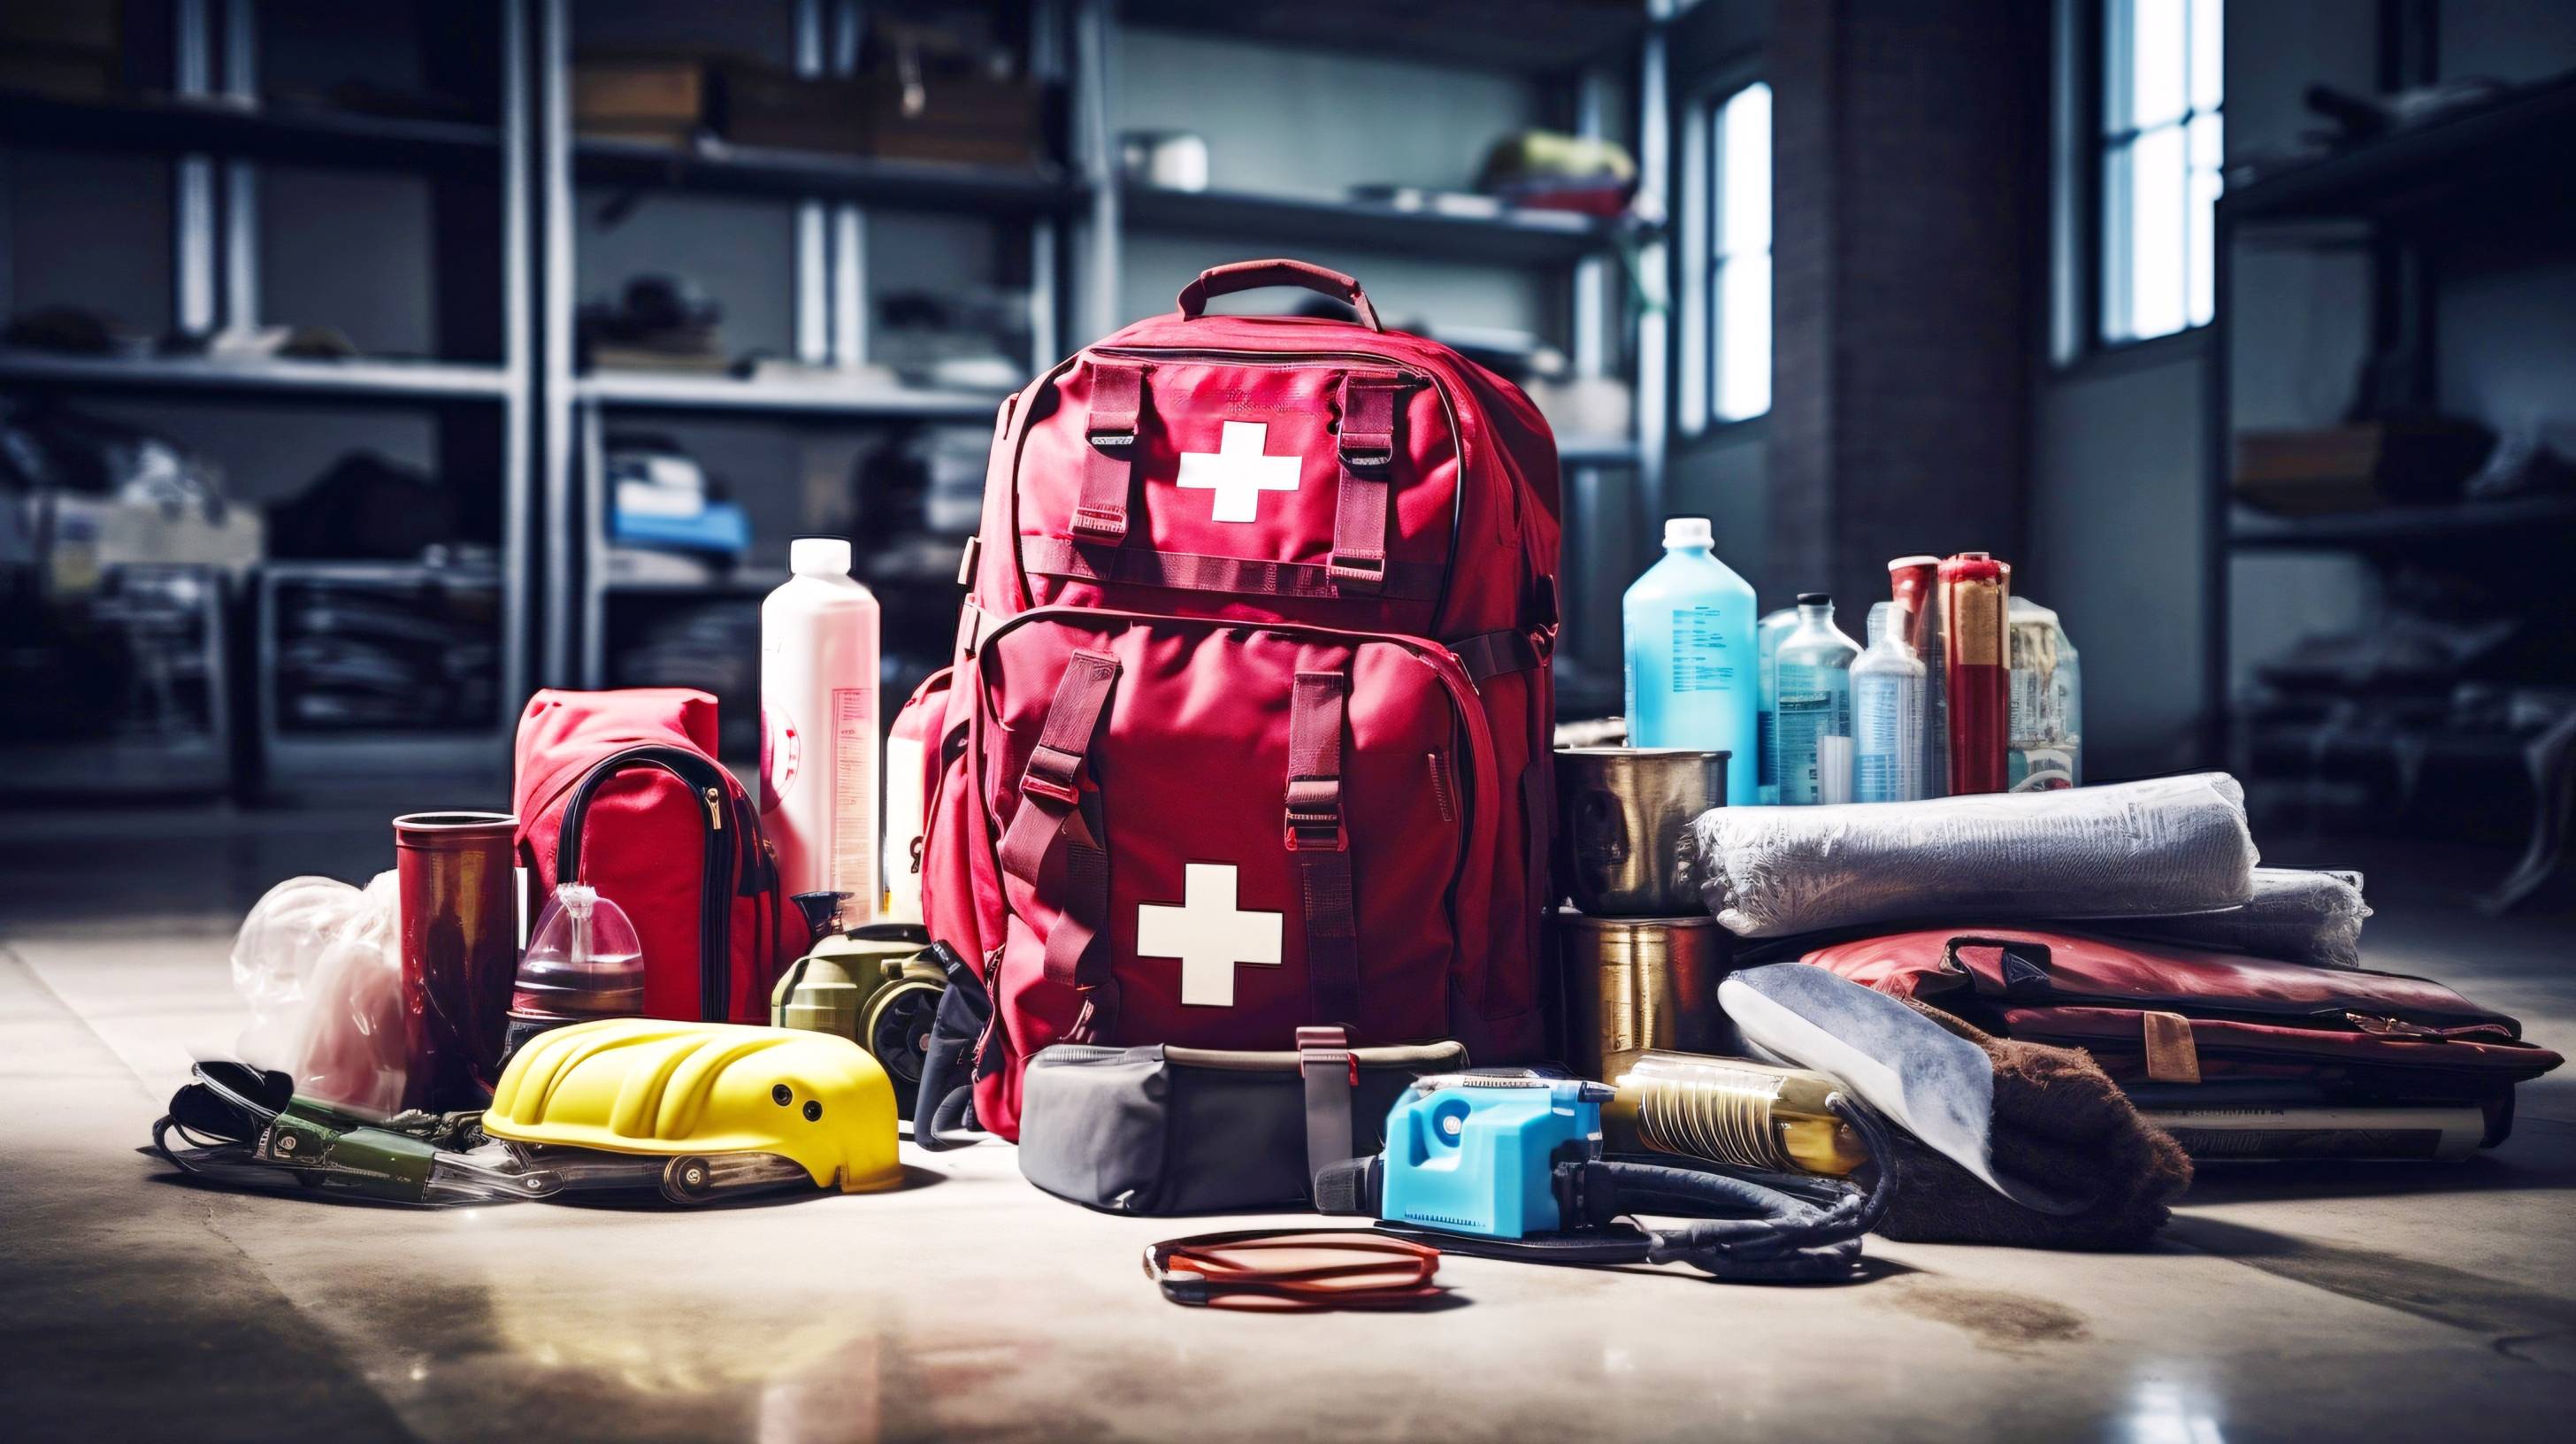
column 818, row 727
column 1692, row 680
column 1887, row 715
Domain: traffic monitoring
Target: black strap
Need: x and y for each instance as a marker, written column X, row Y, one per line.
column 1332, row 1074
column 943, row 1108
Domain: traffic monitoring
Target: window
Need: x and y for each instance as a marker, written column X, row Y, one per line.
column 2159, row 164
column 1739, row 255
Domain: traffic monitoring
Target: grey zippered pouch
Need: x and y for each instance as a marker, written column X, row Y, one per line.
column 1169, row 1130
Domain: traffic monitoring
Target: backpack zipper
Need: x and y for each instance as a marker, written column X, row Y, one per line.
column 716, row 873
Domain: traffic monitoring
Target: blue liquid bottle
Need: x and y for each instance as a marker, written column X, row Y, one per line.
column 1693, row 678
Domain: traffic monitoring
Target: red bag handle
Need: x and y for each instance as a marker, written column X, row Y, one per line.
column 1253, row 275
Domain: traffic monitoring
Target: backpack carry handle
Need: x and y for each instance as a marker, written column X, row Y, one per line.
column 1254, row 275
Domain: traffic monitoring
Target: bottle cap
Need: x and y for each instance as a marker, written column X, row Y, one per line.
column 819, row 556
column 1815, row 599
column 1687, row 531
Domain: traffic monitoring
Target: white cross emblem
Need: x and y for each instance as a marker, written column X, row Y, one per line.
column 1207, row 934
column 1237, row 471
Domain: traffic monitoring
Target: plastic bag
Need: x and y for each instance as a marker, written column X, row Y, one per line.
column 320, row 964
column 2171, row 845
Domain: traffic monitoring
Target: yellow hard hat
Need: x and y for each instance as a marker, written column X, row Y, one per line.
column 650, row 1086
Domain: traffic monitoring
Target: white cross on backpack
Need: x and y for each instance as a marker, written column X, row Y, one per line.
column 1237, row 471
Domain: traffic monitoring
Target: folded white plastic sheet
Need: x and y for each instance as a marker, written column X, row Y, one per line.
column 2168, row 845
column 2295, row 914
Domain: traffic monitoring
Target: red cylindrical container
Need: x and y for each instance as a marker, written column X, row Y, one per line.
column 460, row 945
column 1974, row 591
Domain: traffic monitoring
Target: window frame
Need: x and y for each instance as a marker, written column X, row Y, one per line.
column 2082, row 145
column 1696, row 255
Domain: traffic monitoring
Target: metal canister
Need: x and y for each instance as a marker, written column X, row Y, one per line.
column 1632, row 984
column 1623, row 826
column 460, row 945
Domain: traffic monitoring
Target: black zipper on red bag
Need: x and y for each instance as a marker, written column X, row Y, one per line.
column 707, row 784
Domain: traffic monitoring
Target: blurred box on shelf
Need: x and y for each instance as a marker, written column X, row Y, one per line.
column 1584, row 406
column 656, row 97
column 87, row 536
column 770, row 105
column 2318, row 470
column 954, row 120
column 947, row 91
column 379, row 647
column 78, row 25
column 718, row 527
column 63, row 74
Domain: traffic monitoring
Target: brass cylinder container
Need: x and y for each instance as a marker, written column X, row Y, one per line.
column 1637, row 983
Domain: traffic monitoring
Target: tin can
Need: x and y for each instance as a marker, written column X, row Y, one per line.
column 460, row 945
column 1632, row 984
column 1623, row 826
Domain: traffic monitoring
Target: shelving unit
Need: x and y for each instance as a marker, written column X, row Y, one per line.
column 217, row 130
column 2498, row 170
column 647, row 391
column 355, row 381
column 241, row 126
column 1511, row 236
column 1061, row 221
column 1074, row 196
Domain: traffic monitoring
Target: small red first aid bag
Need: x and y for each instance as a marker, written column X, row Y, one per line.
column 1248, row 725
column 621, row 790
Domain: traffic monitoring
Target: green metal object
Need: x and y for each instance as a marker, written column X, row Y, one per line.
column 872, row 985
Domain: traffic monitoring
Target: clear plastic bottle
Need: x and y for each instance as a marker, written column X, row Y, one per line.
column 2047, row 691
column 1815, row 718
column 1766, row 641
column 1887, row 691
column 818, row 726
column 583, row 961
column 1692, row 679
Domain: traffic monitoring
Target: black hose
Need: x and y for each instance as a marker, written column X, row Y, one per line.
column 1764, row 1234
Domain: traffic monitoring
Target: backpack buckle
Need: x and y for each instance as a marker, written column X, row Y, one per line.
column 1358, row 572
column 1053, row 773
column 1315, row 815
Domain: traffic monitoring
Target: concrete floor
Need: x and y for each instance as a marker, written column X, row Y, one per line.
column 2344, row 1301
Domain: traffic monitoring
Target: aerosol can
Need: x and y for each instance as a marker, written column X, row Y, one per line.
column 1732, row 1111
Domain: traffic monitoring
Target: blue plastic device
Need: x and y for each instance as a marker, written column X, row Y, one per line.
column 1476, row 1153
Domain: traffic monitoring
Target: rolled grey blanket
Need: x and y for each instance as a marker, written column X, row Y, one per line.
column 2164, row 846
column 2295, row 915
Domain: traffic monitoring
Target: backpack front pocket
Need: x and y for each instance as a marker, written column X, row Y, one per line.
column 1211, row 834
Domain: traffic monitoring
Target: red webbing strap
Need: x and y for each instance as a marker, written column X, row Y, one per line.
column 1366, row 446
column 1117, row 399
column 1322, row 846
column 1199, row 572
column 1052, row 815
column 1490, row 654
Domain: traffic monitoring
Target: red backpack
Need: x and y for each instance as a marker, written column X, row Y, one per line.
column 1248, row 725
column 622, row 790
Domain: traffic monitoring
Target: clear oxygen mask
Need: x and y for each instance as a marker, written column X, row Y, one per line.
column 583, row 961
